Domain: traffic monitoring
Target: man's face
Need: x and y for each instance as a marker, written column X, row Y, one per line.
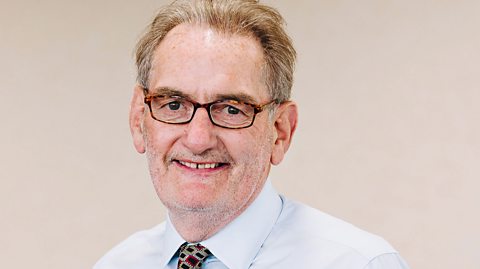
column 205, row 66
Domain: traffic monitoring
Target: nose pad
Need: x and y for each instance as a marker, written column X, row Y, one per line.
column 200, row 133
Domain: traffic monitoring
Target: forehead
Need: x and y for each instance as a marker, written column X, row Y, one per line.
column 204, row 63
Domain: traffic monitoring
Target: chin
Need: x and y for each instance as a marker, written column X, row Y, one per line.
column 193, row 206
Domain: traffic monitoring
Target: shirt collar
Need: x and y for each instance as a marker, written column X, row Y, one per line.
column 171, row 242
column 237, row 244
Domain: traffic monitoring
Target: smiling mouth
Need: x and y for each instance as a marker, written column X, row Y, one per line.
column 201, row 165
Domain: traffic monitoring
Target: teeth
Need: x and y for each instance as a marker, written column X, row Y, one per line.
column 200, row 166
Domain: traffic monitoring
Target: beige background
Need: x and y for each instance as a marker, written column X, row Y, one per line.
column 389, row 134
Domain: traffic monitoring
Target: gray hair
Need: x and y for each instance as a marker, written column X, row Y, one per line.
column 244, row 17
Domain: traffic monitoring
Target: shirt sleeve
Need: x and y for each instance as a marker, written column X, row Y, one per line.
column 387, row 261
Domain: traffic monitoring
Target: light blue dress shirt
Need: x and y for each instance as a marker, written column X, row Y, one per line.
column 273, row 232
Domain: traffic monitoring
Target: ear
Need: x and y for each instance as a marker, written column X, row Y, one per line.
column 285, row 125
column 137, row 112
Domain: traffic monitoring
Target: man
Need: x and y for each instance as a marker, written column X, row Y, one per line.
column 212, row 112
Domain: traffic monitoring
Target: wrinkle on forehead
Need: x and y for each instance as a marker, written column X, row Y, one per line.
column 170, row 91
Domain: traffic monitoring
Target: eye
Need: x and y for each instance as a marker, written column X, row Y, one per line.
column 232, row 110
column 175, row 105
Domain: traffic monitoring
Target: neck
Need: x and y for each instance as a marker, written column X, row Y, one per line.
column 198, row 226
column 195, row 226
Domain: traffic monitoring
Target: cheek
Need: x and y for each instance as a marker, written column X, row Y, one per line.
column 253, row 150
column 251, row 167
column 157, row 145
column 160, row 135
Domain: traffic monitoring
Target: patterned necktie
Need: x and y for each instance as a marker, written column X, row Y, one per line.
column 192, row 256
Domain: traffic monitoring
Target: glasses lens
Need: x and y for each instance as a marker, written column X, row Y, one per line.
column 171, row 109
column 232, row 114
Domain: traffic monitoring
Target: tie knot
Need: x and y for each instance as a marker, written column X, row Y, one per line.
column 192, row 256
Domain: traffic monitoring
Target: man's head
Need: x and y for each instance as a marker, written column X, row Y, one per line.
column 239, row 17
column 203, row 52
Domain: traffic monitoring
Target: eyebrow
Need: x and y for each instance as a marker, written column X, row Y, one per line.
column 241, row 97
column 170, row 91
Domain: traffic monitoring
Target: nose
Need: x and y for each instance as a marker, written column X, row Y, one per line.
column 200, row 133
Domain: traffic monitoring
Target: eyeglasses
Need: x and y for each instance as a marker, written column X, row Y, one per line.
column 229, row 114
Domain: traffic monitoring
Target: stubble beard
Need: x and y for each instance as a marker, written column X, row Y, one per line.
column 231, row 203
column 225, row 207
column 218, row 210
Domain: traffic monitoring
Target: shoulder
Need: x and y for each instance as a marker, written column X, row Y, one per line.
column 332, row 231
column 136, row 248
column 301, row 229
